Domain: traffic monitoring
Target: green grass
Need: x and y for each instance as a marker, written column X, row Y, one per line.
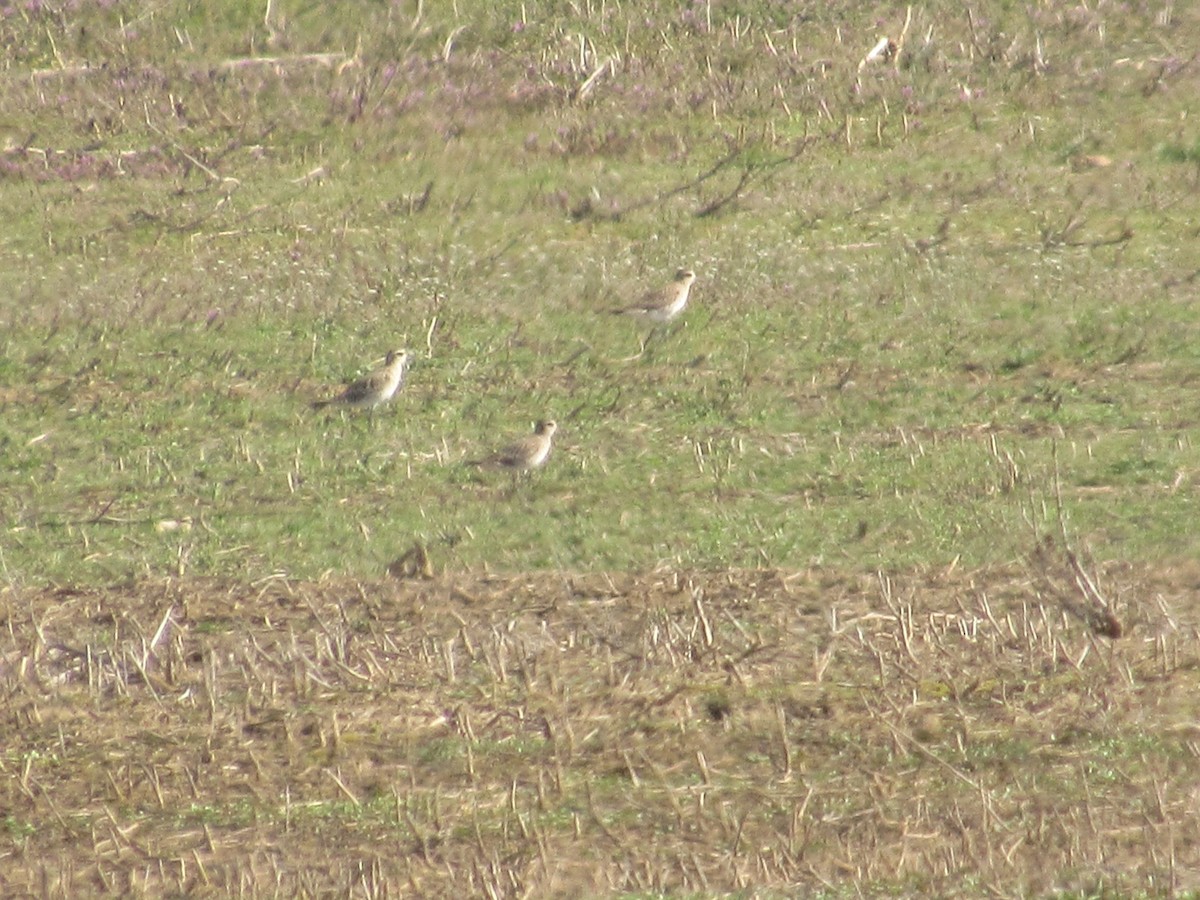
column 497, row 218
column 748, row 439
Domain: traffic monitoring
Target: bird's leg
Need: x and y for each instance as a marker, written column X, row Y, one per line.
column 641, row 352
column 652, row 340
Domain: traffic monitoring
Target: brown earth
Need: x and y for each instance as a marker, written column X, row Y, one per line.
column 570, row 735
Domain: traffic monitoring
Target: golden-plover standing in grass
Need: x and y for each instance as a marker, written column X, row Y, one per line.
column 373, row 389
column 663, row 305
column 525, row 455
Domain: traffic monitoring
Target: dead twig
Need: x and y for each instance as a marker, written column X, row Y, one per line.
column 589, row 83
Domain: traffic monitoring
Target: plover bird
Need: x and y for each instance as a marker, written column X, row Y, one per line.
column 663, row 305
column 525, row 455
column 373, row 389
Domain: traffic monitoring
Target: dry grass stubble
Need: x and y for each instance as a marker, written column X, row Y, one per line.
column 545, row 735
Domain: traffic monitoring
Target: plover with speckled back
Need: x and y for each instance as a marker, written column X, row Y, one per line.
column 663, row 305
column 525, row 455
column 373, row 389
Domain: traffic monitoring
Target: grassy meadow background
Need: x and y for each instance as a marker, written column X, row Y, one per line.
column 942, row 350
column 913, row 284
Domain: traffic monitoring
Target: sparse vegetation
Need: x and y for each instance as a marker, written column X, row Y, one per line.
column 548, row 734
column 870, row 574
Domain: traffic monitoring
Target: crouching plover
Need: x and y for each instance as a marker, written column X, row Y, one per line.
column 525, row 455
column 373, row 389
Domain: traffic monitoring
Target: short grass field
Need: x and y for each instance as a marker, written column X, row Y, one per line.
column 875, row 573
